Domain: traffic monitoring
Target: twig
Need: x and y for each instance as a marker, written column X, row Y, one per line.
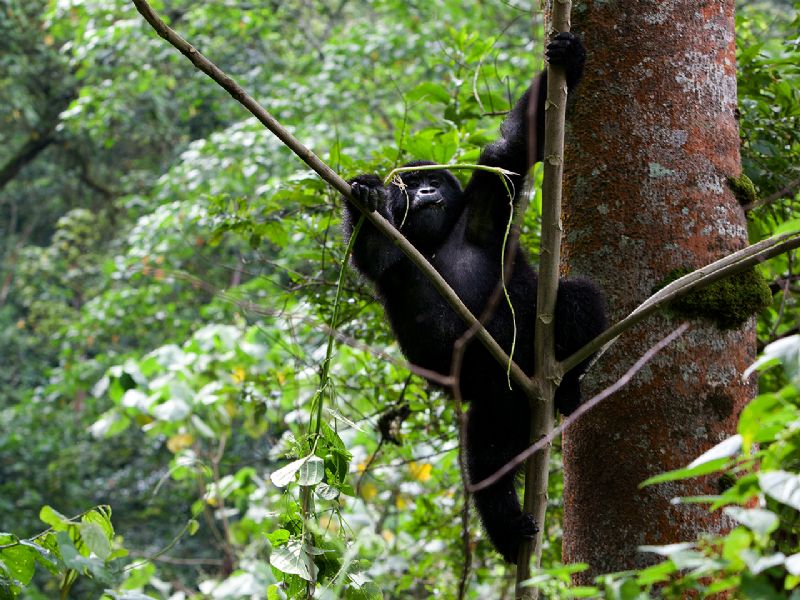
column 791, row 187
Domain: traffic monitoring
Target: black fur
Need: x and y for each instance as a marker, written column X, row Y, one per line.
column 461, row 234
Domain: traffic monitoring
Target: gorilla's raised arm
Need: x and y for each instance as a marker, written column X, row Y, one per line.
column 486, row 195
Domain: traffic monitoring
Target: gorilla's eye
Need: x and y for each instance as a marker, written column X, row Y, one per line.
column 435, row 181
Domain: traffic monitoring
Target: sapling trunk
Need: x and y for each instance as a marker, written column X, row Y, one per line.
column 546, row 367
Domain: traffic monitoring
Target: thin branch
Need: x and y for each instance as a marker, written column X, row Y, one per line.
column 331, row 177
column 582, row 410
column 30, row 150
column 790, row 188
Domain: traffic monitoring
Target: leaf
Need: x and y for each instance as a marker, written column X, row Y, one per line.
column 757, row 563
column 101, row 515
column 311, row 468
column 292, row 559
column 137, row 399
column 54, row 518
column 193, row 526
column 174, row 409
column 179, row 441
column 687, row 473
column 326, row 492
column 781, row 486
column 430, row 92
column 656, row 573
column 793, row 564
column 312, row 471
column 668, row 549
column 284, row 476
column 279, row 536
column 95, row 539
column 420, row 471
column 109, row 424
column 786, row 351
column 759, row 520
column 20, row 561
column 725, row 449
column 763, row 418
column 340, row 417
column 73, row 559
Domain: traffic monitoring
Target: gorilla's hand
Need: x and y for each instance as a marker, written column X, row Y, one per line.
column 369, row 191
column 566, row 50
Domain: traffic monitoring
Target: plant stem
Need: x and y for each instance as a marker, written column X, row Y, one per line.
column 546, row 367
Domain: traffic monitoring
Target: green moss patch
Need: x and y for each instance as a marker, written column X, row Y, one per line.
column 743, row 189
column 728, row 303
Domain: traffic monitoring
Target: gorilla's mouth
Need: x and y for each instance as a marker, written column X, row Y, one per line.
column 422, row 204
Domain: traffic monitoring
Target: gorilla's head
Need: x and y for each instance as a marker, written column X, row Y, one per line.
column 426, row 204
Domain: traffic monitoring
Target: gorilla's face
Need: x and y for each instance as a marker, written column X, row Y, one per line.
column 426, row 204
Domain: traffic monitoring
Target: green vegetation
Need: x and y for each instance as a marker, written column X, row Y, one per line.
column 728, row 303
column 170, row 280
column 744, row 189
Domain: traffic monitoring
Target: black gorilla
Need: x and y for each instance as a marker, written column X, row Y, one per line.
column 461, row 233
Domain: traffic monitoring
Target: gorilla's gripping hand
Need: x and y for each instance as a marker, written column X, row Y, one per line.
column 369, row 191
column 373, row 253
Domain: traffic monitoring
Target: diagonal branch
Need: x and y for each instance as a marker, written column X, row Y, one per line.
column 737, row 262
column 330, row 176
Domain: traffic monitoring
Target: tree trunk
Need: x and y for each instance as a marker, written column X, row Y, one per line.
column 652, row 138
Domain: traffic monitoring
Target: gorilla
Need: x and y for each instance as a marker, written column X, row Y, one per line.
column 461, row 233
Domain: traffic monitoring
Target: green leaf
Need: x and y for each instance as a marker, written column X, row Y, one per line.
column 656, row 573
column 736, row 542
column 725, row 449
column 54, row 518
column 763, row 418
column 278, row 537
column 793, row 564
column 430, row 92
column 781, row 486
column 687, row 473
column 294, row 560
column 139, row 576
column 110, row 423
column 85, row 565
column 759, row 520
column 20, row 561
column 193, row 527
column 284, row 476
column 95, row 539
column 312, row 471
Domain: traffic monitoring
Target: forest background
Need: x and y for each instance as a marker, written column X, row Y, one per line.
column 168, row 276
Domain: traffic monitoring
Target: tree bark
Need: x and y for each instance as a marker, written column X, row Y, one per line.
column 652, row 138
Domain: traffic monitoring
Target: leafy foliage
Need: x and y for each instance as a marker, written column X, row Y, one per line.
column 168, row 285
column 83, row 546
